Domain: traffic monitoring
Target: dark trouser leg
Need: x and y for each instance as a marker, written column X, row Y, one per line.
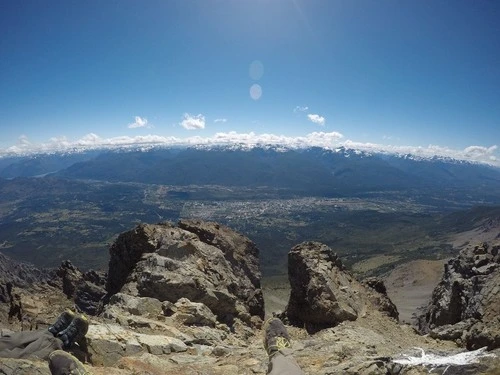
column 29, row 344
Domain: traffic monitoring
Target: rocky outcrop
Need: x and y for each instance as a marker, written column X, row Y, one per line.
column 14, row 277
column 109, row 343
column 85, row 288
column 190, row 313
column 324, row 294
column 20, row 274
column 201, row 261
column 465, row 305
column 380, row 299
column 143, row 335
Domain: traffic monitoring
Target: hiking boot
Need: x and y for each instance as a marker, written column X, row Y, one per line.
column 62, row 322
column 62, row 363
column 75, row 331
column 276, row 336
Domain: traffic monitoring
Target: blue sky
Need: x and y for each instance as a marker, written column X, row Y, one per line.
column 385, row 73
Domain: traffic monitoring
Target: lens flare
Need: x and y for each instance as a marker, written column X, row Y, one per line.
column 255, row 91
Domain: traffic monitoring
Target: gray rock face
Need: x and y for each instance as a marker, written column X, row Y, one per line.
column 107, row 344
column 468, row 292
column 323, row 294
column 140, row 306
column 190, row 313
column 380, row 298
column 20, row 274
column 15, row 276
column 201, row 261
column 85, row 288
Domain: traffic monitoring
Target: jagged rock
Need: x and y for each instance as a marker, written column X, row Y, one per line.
column 85, row 288
column 15, row 306
column 16, row 277
column 483, row 334
column 205, row 336
column 201, row 261
column 9, row 366
column 147, row 342
column 21, row 274
column 452, row 331
column 142, row 306
column 193, row 313
column 143, row 314
column 70, row 276
column 380, row 298
column 88, row 297
column 108, row 343
column 468, row 292
column 323, row 293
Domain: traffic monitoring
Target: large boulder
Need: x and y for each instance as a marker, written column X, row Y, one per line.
column 323, row 293
column 86, row 289
column 468, row 298
column 110, row 342
column 202, row 261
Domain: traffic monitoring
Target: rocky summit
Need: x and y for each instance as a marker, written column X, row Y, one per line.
column 186, row 299
column 465, row 305
column 324, row 294
column 203, row 262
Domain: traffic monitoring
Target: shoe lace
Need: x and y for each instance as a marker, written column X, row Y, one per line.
column 282, row 343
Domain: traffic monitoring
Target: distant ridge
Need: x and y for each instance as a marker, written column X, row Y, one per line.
column 312, row 170
column 331, row 141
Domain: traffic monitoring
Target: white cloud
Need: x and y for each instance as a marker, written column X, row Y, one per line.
column 317, row 119
column 220, row 120
column 139, row 123
column 480, row 151
column 193, row 122
column 23, row 140
column 330, row 141
column 23, row 145
column 300, row 109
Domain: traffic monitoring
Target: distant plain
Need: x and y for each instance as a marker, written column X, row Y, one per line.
column 47, row 220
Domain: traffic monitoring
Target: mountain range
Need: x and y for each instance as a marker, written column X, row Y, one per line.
column 72, row 205
column 310, row 171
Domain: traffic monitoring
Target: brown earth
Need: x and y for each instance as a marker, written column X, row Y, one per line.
column 276, row 291
column 410, row 285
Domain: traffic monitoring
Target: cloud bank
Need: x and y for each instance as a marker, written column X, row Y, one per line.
column 139, row 123
column 193, row 122
column 326, row 140
column 317, row 119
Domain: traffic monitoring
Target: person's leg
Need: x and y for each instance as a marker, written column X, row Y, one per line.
column 29, row 344
column 62, row 363
column 39, row 344
column 277, row 344
column 18, row 339
column 282, row 363
column 24, row 338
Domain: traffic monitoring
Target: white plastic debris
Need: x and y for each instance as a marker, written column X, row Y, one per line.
column 438, row 360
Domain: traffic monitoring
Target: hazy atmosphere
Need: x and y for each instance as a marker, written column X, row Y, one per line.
column 418, row 77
